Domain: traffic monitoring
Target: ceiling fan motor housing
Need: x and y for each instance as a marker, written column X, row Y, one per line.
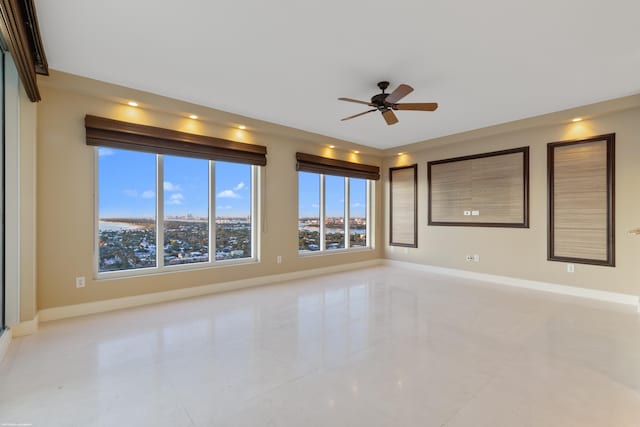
column 379, row 100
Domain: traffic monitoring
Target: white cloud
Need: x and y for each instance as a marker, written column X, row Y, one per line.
column 315, row 206
column 175, row 199
column 228, row 194
column 149, row 194
column 357, row 205
column 240, row 186
column 131, row 193
column 103, row 151
column 225, row 207
column 168, row 186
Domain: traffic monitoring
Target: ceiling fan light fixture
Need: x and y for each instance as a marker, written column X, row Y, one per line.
column 386, row 103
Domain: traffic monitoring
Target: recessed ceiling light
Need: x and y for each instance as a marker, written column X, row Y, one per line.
column 332, row 146
column 242, row 127
column 356, row 151
column 132, row 103
column 577, row 119
column 400, row 154
column 193, row 116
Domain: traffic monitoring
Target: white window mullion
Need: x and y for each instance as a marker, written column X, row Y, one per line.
column 160, row 211
column 212, row 211
column 347, row 213
column 322, row 212
column 255, row 211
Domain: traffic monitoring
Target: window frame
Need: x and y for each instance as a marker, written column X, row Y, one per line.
column 160, row 267
column 347, row 202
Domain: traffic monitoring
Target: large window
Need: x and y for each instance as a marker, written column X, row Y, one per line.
column 330, row 208
column 158, row 211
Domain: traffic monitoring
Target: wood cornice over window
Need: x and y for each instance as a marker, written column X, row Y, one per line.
column 104, row 132
column 21, row 35
column 317, row 164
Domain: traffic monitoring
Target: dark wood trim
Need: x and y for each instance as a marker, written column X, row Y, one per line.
column 415, row 206
column 610, row 139
column 525, row 190
column 21, row 34
column 324, row 165
column 105, row 132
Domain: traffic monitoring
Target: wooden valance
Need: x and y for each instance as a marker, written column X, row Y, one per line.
column 318, row 164
column 104, row 132
column 21, row 36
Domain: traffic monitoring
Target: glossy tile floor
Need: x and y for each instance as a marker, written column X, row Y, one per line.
column 377, row 347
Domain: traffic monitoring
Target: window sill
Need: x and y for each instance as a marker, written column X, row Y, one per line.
column 333, row 252
column 154, row 271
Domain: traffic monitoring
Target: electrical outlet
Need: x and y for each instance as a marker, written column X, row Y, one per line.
column 571, row 268
column 475, row 213
column 469, row 258
column 467, row 213
column 476, row 258
column 279, row 259
column 80, row 283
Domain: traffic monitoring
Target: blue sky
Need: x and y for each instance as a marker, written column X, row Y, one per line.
column 127, row 186
column 309, row 196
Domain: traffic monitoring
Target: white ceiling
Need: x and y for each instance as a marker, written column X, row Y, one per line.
column 286, row 61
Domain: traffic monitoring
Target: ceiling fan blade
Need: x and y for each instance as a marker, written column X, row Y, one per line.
column 358, row 115
column 356, row 101
column 418, row 106
column 390, row 117
column 400, row 92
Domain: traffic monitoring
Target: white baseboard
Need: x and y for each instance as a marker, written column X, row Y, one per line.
column 56, row 313
column 5, row 340
column 595, row 294
column 25, row 328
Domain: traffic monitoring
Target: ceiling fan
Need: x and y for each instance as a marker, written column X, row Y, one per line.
column 387, row 102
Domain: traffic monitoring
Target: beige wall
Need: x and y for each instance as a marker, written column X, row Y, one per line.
column 522, row 253
column 28, row 121
column 65, row 195
column 65, row 190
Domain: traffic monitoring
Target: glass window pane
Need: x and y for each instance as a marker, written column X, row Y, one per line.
column 334, row 212
column 233, row 211
column 126, row 209
column 186, row 210
column 308, row 211
column 357, row 212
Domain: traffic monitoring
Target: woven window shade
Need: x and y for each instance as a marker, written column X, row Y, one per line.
column 317, row 164
column 110, row 133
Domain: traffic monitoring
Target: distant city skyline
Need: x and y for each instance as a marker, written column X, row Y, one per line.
column 127, row 186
